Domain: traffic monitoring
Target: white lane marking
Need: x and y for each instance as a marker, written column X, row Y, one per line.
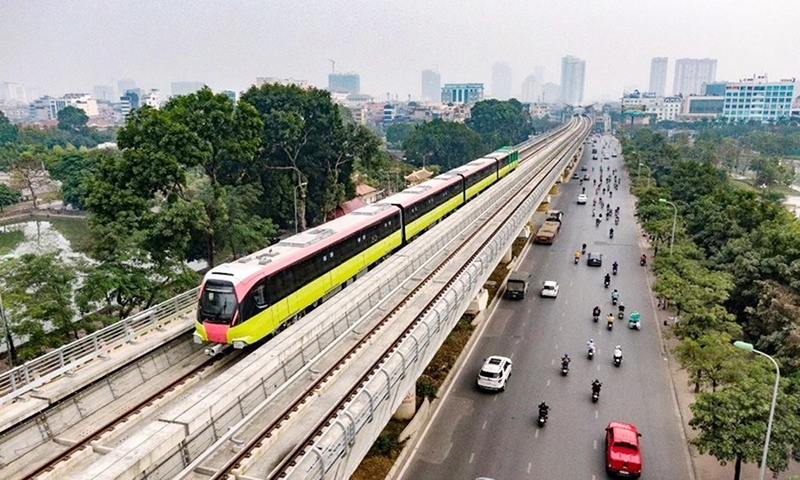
column 596, row 414
column 559, row 328
column 536, row 435
column 548, row 383
column 563, row 314
column 529, row 468
column 556, row 346
column 484, row 428
column 598, row 368
column 595, row 447
column 593, row 476
column 472, row 455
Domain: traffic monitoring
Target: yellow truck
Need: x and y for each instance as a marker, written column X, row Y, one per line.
column 548, row 231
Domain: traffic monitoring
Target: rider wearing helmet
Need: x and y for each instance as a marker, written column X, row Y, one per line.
column 590, row 344
column 596, row 386
column 565, row 360
column 596, row 311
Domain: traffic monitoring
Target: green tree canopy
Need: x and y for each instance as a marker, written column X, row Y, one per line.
column 447, row 144
column 72, row 119
column 7, row 196
column 397, row 133
column 500, row 123
column 8, row 131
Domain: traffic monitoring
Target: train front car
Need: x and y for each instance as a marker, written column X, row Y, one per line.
column 507, row 158
column 244, row 301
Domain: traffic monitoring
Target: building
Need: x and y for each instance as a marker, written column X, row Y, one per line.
column 758, row 99
column 573, row 72
column 281, row 81
column 551, row 93
column 501, row 81
column 531, row 89
column 103, row 92
column 648, row 104
column 125, row 84
column 129, row 101
column 696, row 107
column 16, row 93
column 462, row 92
column 185, row 88
column 431, row 85
column 658, row 76
column 691, row 74
column 539, row 110
column 47, row 108
column 152, row 98
column 230, row 94
column 344, row 82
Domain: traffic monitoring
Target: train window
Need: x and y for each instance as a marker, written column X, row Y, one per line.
column 260, row 296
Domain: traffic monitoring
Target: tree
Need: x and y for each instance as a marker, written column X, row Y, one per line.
column 7, row 196
column 397, row 133
column 28, row 173
column 38, row 300
column 733, row 421
column 770, row 171
column 73, row 168
column 500, row 123
column 711, row 359
column 8, row 131
column 72, row 119
column 447, row 144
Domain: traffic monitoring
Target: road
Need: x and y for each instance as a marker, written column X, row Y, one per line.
column 479, row 434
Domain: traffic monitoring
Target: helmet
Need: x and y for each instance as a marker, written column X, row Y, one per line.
column 591, row 340
column 618, row 347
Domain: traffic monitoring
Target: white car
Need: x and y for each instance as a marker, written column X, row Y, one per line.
column 550, row 289
column 582, row 199
column 494, row 373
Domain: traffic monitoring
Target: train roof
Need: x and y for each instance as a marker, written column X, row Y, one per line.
column 412, row 194
column 297, row 247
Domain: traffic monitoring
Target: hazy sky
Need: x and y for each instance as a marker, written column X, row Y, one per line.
column 64, row 46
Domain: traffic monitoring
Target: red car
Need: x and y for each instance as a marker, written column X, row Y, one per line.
column 623, row 455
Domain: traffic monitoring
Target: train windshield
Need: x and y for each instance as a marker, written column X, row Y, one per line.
column 218, row 302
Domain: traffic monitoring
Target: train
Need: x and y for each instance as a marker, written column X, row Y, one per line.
column 246, row 300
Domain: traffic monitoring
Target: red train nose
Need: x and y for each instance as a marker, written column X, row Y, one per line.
column 216, row 333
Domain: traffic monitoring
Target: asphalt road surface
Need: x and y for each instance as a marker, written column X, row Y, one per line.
column 482, row 434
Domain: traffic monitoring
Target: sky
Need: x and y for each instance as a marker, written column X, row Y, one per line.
column 62, row 46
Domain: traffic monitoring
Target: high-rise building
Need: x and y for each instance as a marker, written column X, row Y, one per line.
column 125, row 84
column 462, row 92
column 531, row 89
column 758, row 99
column 551, row 93
column 185, row 88
column 691, row 74
column 501, row 81
column 658, row 76
column 431, row 85
column 103, row 92
column 230, row 94
column 344, row 83
column 573, row 71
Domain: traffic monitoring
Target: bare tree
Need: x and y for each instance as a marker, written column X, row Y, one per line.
column 28, row 174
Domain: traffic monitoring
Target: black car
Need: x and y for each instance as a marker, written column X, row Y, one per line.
column 584, row 168
column 586, row 176
column 594, row 259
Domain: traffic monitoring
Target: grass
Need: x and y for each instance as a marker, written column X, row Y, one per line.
column 381, row 457
column 9, row 240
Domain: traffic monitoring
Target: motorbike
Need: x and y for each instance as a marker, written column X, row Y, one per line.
column 583, row 248
column 614, row 269
column 617, row 358
column 577, row 259
column 542, row 418
column 616, row 220
column 610, row 324
column 595, row 318
column 597, row 224
column 590, row 354
column 564, row 368
column 643, row 261
column 614, row 300
column 634, row 322
column 611, row 234
column 595, row 394
column 621, row 312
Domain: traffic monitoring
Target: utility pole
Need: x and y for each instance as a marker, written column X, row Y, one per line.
column 9, row 341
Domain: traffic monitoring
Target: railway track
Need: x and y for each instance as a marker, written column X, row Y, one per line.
column 239, row 463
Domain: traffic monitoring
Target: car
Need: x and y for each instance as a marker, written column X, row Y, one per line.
column 550, row 289
column 582, row 199
column 623, row 453
column 613, row 155
column 575, row 176
column 594, row 259
column 584, row 168
column 494, row 373
column 586, row 176
column 594, row 157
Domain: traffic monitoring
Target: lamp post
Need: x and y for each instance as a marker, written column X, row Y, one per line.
column 749, row 347
column 674, row 220
column 302, row 184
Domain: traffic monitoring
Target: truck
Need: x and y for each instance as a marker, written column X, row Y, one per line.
column 548, row 231
column 517, row 284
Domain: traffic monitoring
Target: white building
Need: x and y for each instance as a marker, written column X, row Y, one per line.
column 152, row 98
column 663, row 108
column 47, row 108
column 758, row 99
column 658, row 75
column 462, row 92
column 281, row 81
column 691, row 74
column 573, row 73
column 501, row 81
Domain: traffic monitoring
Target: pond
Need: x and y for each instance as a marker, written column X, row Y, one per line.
column 45, row 234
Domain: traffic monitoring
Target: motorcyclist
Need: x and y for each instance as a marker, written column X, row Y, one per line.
column 610, row 319
column 596, row 222
column 577, row 255
column 611, row 232
column 643, row 259
column 590, row 344
column 596, row 386
column 565, row 360
column 615, row 295
column 618, row 352
column 596, row 311
column 615, row 267
column 621, row 308
column 543, row 409
column 583, row 248
column 607, row 279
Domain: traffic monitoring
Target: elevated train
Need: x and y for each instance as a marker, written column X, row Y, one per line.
column 244, row 301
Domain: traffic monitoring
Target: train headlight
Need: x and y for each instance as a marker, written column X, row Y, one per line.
column 197, row 339
column 239, row 344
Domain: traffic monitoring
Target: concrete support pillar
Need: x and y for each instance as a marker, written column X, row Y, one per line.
column 545, row 205
column 479, row 303
column 525, row 232
column 408, row 407
column 507, row 257
column 554, row 189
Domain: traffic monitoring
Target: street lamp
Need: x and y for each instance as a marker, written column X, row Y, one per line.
column 7, row 334
column 674, row 220
column 302, row 184
column 749, row 347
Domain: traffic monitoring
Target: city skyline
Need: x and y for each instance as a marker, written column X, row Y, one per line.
column 65, row 46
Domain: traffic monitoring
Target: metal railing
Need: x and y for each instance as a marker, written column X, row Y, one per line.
column 20, row 380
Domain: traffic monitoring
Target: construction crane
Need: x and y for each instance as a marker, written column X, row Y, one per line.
column 333, row 65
